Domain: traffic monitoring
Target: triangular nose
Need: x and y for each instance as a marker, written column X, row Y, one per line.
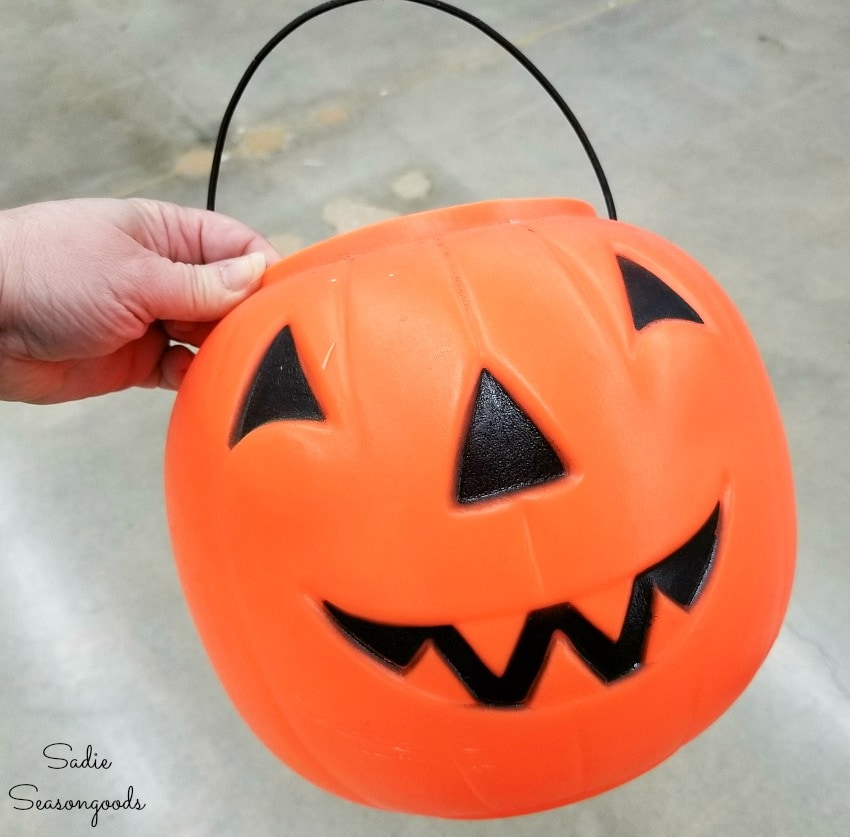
column 504, row 450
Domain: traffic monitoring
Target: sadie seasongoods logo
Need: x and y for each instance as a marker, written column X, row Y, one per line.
column 28, row 796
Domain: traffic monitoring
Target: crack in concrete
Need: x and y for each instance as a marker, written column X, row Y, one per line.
column 831, row 665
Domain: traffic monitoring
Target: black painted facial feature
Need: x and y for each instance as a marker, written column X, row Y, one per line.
column 503, row 450
column 280, row 391
column 680, row 577
column 651, row 299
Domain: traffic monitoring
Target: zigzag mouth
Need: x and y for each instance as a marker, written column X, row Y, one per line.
column 681, row 577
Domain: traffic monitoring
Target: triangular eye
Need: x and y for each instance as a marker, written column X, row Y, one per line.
column 651, row 299
column 280, row 391
column 503, row 451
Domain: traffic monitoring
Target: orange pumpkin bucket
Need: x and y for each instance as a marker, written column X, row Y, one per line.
column 484, row 510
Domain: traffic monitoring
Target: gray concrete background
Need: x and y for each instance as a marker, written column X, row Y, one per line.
column 723, row 125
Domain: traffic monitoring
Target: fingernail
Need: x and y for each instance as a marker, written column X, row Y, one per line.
column 239, row 274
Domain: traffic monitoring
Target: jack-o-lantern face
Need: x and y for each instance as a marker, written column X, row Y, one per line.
column 482, row 511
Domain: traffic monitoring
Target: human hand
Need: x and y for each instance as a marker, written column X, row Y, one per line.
column 92, row 292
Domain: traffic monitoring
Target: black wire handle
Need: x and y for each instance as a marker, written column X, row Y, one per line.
column 434, row 4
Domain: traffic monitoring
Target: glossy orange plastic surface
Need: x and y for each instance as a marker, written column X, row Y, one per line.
column 659, row 425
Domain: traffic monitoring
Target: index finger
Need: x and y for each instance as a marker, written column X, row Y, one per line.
column 198, row 236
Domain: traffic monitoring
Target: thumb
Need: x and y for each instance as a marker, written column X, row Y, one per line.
column 204, row 292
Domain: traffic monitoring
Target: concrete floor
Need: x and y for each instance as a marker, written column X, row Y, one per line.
column 723, row 126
